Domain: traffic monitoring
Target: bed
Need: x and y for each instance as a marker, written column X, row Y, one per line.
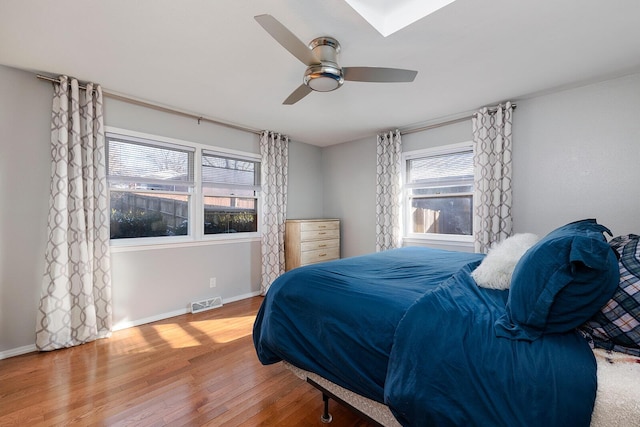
column 407, row 337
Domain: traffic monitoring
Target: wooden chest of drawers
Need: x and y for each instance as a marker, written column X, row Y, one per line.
column 309, row 241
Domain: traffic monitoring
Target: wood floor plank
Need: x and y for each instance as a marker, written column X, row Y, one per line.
column 190, row 370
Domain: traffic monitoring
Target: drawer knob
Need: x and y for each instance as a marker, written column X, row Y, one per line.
column 321, row 255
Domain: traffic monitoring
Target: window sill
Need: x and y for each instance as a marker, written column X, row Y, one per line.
column 160, row 243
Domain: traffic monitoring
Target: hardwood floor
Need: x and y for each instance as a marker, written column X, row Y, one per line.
column 195, row 369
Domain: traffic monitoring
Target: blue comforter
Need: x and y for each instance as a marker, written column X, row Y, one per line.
column 411, row 329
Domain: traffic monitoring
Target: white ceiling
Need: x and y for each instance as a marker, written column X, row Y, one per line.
column 210, row 57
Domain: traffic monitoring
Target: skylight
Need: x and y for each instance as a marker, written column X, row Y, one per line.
column 389, row 16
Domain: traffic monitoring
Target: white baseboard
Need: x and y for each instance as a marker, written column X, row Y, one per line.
column 17, row 351
column 131, row 323
column 126, row 324
column 241, row 297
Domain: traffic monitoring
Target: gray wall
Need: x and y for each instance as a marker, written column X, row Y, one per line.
column 350, row 193
column 25, row 167
column 147, row 283
column 305, row 197
column 576, row 155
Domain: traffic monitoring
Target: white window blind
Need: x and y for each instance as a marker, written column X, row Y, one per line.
column 439, row 192
column 144, row 163
column 230, row 172
column 230, row 187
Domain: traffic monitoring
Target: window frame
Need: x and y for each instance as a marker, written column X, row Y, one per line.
column 196, row 234
column 455, row 240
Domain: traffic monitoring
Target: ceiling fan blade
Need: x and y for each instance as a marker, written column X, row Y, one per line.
column 287, row 39
column 302, row 91
column 378, row 75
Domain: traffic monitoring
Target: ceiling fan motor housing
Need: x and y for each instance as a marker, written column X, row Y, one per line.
column 327, row 75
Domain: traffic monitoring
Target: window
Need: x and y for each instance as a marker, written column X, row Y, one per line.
column 150, row 187
column 157, row 192
column 439, row 192
column 230, row 187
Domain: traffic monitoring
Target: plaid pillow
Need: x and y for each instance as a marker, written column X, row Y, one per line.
column 617, row 325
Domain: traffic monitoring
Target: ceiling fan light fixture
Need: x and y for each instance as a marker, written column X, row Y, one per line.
column 323, row 74
column 323, row 77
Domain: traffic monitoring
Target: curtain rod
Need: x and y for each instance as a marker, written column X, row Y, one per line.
column 437, row 125
column 448, row 122
column 238, row 127
column 159, row 107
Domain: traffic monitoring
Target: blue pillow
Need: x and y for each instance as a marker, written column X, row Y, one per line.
column 560, row 282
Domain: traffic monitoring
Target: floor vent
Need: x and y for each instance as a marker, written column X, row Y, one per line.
column 206, row 304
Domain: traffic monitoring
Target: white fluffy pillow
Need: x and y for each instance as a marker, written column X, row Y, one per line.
column 497, row 267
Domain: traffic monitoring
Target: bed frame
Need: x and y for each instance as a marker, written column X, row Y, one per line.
column 617, row 400
column 372, row 411
column 326, row 395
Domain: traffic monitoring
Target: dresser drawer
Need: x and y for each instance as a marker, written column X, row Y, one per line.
column 312, row 257
column 319, row 234
column 319, row 225
column 319, row 245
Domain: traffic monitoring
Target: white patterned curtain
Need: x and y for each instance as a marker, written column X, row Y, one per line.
column 274, row 150
column 75, row 303
column 492, row 164
column 388, row 191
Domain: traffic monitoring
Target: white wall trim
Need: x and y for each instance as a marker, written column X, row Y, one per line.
column 184, row 244
column 132, row 323
column 127, row 324
column 241, row 297
column 17, row 351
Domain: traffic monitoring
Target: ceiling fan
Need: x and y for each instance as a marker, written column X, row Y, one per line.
column 323, row 74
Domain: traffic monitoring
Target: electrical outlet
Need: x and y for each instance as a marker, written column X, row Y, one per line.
column 212, row 282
